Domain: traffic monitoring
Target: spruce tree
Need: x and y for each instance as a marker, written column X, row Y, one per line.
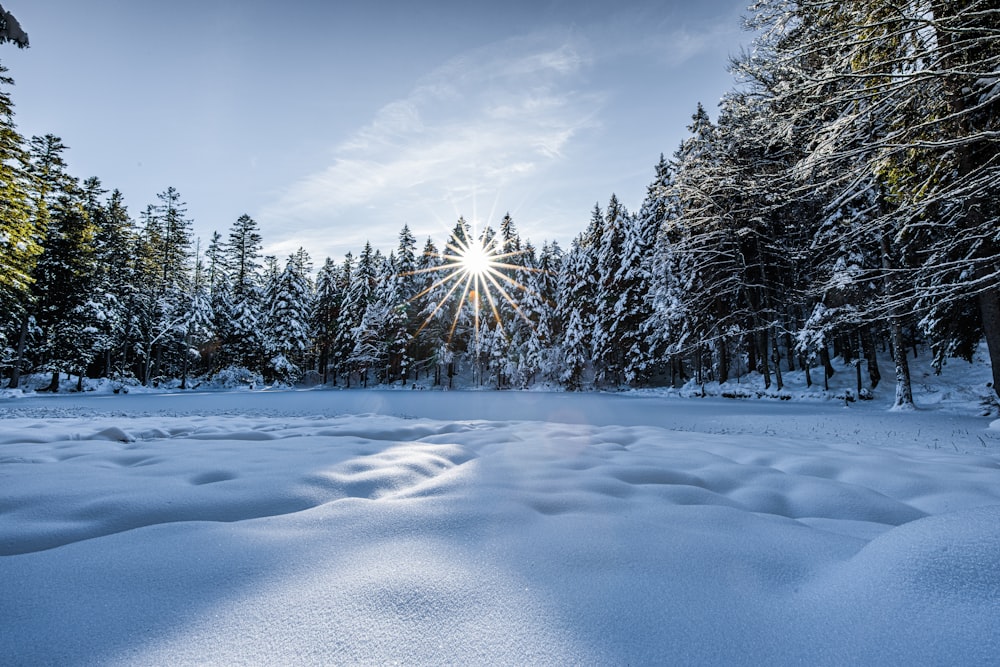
column 66, row 275
column 115, row 283
column 325, row 310
column 288, row 333
column 20, row 237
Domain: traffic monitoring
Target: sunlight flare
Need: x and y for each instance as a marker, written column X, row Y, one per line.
column 475, row 267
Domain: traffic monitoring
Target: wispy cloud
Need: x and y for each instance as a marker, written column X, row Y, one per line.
column 473, row 128
column 541, row 125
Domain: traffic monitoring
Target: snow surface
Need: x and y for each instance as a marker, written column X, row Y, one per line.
column 418, row 527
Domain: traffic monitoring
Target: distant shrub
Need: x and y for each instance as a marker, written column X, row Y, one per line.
column 233, row 377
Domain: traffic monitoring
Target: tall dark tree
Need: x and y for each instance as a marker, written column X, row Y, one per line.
column 66, row 276
column 325, row 310
column 20, row 238
column 243, row 255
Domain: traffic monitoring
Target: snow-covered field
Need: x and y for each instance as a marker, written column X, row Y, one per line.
column 418, row 527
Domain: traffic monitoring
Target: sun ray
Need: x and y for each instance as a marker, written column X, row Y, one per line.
column 476, row 267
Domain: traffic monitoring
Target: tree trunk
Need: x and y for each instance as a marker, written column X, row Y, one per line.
column 824, row 357
column 790, row 349
column 184, row 366
column 777, row 360
column 904, row 390
column 765, row 367
column 989, row 307
column 22, row 338
column 723, row 360
column 868, row 345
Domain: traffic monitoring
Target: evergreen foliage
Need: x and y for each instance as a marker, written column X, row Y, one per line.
column 843, row 203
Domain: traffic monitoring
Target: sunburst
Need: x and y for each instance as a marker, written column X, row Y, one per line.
column 474, row 269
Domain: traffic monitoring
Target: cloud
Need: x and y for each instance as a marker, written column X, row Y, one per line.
column 475, row 127
column 540, row 125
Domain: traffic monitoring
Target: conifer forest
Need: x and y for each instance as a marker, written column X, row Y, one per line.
column 843, row 203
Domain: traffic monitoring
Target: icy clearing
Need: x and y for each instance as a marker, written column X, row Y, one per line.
column 379, row 527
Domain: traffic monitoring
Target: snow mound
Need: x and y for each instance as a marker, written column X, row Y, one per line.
column 955, row 555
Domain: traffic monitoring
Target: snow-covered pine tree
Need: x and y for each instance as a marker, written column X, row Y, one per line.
column 288, row 333
column 352, row 311
column 577, row 290
column 406, row 317
column 325, row 309
column 431, row 331
column 199, row 329
column 639, row 263
column 115, row 245
column 713, row 241
column 65, row 278
column 669, row 325
column 544, row 285
column 607, row 355
column 343, row 341
column 531, row 331
column 164, row 279
column 242, row 305
column 173, row 254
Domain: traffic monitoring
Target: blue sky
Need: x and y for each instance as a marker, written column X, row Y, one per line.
column 333, row 123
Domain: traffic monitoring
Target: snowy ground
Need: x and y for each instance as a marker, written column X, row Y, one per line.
column 418, row 527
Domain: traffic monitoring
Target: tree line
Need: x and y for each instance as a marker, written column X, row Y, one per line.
column 843, row 204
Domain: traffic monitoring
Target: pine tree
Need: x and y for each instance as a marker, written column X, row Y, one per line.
column 343, row 341
column 199, row 329
column 429, row 335
column 325, row 311
column 161, row 307
column 174, row 252
column 577, row 290
column 635, row 275
column 607, row 336
column 20, row 238
column 405, row 320
column 242, row 303
column 243, row 254
column 288, row 337
column 352, row 312
column 46, row 181
column 115, row 282
column 215, row 264
column 65, row 278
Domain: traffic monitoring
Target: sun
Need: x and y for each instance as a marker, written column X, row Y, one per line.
column 476, row 260
column 475, row 268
